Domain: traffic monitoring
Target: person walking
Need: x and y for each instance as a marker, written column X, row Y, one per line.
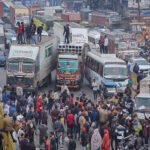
column 39, row 32
column 106, row 140
column 43, row 132
column 106, row 42
column 47, row 143
column 53, row 141
column 95, row 88
column 84, row 139
column 70, row 122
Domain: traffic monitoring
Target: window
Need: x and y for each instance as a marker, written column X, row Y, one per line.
column 48, row 51
column 13, row 66
column 27, row 67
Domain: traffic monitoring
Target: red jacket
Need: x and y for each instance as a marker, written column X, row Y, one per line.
column 70, row 119
column 19, row 30
column 106, row 140
column 38, row 106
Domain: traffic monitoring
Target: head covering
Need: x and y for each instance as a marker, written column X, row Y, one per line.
column 19, row 118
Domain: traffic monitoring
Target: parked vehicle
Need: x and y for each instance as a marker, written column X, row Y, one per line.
column 143, row 64
column 30, row 66
column 142, row 100
column 127, row 50
column 108, row 70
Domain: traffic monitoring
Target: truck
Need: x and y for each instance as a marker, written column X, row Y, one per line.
column 114, row 38
column 30, row 66
column 70, row 68
column 127, row 49
column 142, row 100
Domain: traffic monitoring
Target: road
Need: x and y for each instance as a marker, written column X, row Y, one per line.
column 85, row 89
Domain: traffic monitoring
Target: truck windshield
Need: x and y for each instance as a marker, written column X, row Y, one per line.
column 13, row 66
column 27, row 67
column 115, row 71
column 142, row 102
column 67, row 65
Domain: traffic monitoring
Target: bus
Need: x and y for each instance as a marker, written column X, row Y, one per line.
column 108, row 70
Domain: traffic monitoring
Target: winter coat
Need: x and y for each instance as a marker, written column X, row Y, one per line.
column 106, row 140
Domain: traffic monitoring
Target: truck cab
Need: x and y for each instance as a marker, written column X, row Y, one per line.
column 68, row 71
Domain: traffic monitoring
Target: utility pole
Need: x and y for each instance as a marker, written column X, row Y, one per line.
column 139, row 11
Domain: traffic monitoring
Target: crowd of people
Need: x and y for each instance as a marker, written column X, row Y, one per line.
column 100, row 124
column 27, row 34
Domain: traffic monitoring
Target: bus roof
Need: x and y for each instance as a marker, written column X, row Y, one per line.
column 67, row 56
column 94, row 34
column 104, row 58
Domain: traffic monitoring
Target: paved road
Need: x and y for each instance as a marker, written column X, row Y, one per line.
column 85, row 88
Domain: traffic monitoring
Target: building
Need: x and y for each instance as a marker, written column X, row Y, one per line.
column 71, row 17
column 144, row 4
column 19, row 13
column 104, row 18
column 1, row 9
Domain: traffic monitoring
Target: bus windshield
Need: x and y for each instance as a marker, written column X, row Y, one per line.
column 27, row 67
column 115, row 71
column 67, row 64
column 13, row 66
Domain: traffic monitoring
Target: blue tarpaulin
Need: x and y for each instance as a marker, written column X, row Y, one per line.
column 109, row 83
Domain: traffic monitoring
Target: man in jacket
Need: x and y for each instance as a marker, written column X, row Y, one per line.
column 39, row 32
column 66, row 33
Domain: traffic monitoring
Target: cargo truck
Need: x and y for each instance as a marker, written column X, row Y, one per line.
column 30, row 66
column 142, row 100
column 70, row 68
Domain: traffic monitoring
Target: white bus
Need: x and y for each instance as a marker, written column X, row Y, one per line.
column 108, row 70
